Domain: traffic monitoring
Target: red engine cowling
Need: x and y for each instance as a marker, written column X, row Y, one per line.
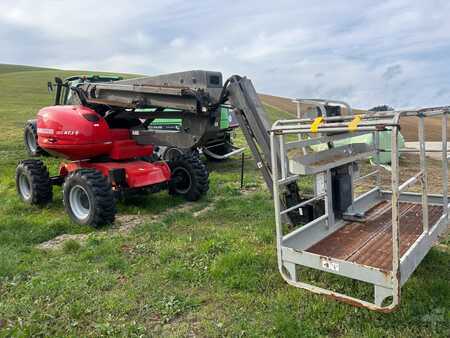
column 77, row 133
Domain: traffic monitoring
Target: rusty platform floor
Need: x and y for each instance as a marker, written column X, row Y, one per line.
column 370, row 243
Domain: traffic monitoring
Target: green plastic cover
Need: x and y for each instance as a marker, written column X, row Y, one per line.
column 224, row 119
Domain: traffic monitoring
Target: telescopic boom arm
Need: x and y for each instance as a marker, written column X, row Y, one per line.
column 196, row 97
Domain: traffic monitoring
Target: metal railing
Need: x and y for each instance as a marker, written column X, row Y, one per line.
column 327, row 132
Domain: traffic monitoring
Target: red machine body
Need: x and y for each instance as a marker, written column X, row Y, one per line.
column 78, row 133
column 137, row 174
column 82, row 135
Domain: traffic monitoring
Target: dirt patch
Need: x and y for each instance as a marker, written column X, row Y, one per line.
column 124, row 224
column 203, row 211
column 58, row 242
column 249, row 190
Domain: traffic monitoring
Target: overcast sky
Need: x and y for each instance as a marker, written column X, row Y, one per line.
column 366, row 52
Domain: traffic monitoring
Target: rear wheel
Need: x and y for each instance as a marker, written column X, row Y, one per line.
column 171, row 153
column 88, row 198
column 189, row 177
column 31, row 139
column 33, row 182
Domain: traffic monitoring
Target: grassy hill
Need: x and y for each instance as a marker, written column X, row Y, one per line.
column 171, row 268
column 5, row 68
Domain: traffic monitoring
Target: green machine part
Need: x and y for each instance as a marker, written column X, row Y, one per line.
column 224, row 119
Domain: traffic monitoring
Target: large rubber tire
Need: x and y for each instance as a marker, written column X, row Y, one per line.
column 88, row 198
column 30, row 139
column 33, row 182
column 189, row 177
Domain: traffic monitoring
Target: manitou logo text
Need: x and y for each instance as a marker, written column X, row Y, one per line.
column 45, row 131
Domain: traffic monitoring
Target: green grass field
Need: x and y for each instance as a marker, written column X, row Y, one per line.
column 204, row 269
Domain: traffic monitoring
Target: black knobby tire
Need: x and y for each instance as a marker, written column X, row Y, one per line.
column 33, row 182
column 88, row 198
column 189, row 177
column 31, row 140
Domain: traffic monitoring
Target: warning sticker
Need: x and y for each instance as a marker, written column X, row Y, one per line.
column 329, row 265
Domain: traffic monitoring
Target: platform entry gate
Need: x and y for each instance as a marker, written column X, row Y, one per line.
column 379, row 237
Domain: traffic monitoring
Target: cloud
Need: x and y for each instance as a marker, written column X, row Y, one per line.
column 393, row 52
column 392, row 72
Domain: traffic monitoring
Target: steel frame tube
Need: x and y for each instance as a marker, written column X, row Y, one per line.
column 395, row 217
column 423, row 168
column 318, row 197
column 445, row 163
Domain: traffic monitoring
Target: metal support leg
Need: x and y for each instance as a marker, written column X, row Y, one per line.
column 242, row 170
column 395, row 217
column 283, row 161
column 423, row 168
column 381, row 293
column 444, row 163
column 376, row 139
column 292, row 270
column 329, row 200
column 276, row 198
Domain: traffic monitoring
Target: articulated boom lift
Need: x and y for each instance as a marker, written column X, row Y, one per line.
column 379, row 237
column 197, row 96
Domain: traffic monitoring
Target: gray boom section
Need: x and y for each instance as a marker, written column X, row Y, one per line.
column 207, row 81
column 252, row 119
column 192, row 91
column 253, row 122
column 193, row 95
column 139, row 96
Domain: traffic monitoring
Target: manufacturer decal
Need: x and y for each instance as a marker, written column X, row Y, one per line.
column 45, row 131
column 329, row 265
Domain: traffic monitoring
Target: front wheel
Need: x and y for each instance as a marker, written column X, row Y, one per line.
column 88, row 198
column 189, row 177
column 33, row 182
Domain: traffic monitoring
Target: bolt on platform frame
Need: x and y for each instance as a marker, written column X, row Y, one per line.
column 381, row 236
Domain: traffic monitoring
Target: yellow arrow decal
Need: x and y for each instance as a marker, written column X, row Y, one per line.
column 353, row 125
column 315, row 126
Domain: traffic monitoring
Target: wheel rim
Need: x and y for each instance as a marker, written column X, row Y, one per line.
column 24, row 187
column 31, row 141
column 79, row 202
column 183, row 180
column 171, row 153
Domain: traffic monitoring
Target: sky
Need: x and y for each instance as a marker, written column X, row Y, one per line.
column 365, row 52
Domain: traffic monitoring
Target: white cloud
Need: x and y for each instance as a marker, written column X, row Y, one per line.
column 394, row 52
